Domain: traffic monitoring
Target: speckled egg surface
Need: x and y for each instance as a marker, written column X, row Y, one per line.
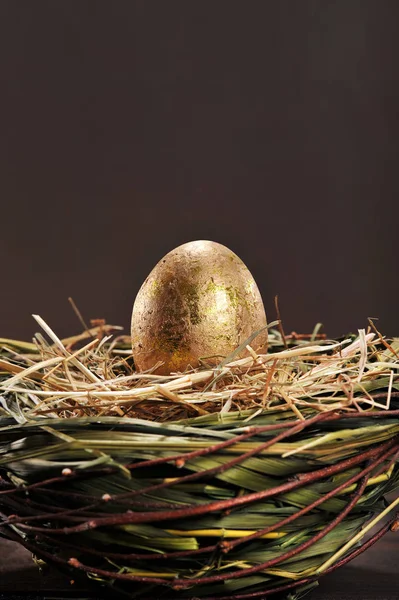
column 199, row 301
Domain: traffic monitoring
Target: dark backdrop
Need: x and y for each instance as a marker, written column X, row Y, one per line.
column 129, row 127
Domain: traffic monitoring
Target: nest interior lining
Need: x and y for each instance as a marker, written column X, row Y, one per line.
column 299, row 374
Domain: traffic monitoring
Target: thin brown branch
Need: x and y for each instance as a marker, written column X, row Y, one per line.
column 152, row 517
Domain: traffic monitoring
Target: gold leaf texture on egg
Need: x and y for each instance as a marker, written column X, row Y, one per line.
column 200, row 300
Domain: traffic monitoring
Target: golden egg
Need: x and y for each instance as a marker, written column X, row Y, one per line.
column 199, row 301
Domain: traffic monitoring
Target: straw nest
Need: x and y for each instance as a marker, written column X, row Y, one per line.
column 240, row 481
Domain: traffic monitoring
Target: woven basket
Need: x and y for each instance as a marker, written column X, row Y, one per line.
column 132, row 508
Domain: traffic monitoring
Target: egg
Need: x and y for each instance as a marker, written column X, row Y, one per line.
column 199, row 301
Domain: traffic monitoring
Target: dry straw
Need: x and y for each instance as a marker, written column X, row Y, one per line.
column 236, row 481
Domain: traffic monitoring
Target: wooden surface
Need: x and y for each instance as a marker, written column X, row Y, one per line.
column 372, row 576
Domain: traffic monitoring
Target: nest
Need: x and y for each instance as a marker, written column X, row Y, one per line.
column 254, row 477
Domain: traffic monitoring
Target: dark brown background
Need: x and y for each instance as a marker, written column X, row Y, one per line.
column 130, row 127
